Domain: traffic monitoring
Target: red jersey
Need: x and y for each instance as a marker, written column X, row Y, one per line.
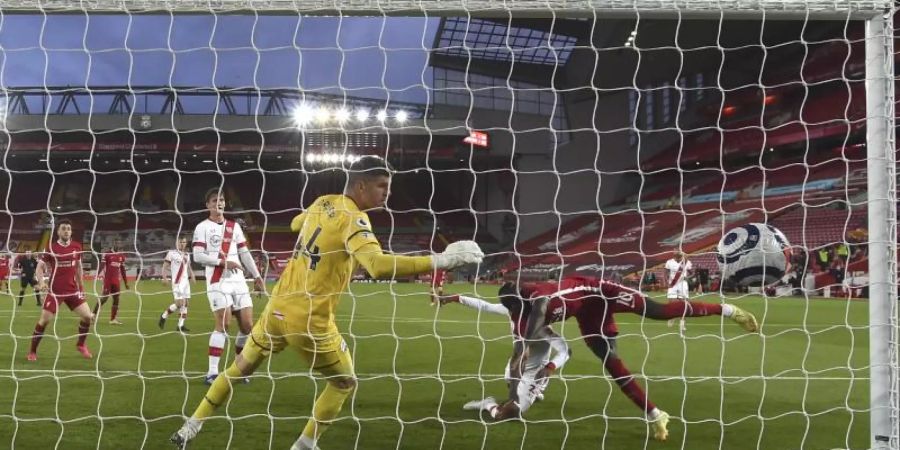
column 114, row 264
column 585, row 298
column 4, row 264
column 62, row 264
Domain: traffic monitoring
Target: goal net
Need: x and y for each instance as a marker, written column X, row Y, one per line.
column 593, row 139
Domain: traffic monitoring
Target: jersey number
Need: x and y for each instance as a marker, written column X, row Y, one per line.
column 312, row 250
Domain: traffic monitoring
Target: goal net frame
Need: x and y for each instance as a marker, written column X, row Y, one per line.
column 880, row 113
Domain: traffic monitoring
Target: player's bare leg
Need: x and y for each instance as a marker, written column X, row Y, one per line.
column 677, row 308
column 605, row 349
column 217, row 341
column 179, row 305
column 45, row 318
column 100, row 303
column 671, row 322
column 114, row 311
column 84, row 326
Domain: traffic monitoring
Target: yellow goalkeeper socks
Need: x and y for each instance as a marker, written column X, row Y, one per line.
column 217, row 393
column 326, row 409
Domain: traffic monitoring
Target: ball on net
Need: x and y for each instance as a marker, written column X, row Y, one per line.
column 755, row 254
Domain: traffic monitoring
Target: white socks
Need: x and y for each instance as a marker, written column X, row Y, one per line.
column 727, row 310
column 169, row 310
column 216, row 346
column 182, row 314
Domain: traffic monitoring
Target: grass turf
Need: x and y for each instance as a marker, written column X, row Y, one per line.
column 802, row 384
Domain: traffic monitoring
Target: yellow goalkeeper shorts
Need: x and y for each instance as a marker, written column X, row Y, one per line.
column 325, row 353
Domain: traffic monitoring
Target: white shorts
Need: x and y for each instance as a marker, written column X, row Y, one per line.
column 528, row 390
column 181, row 291
column 679, row 291
column 229, row 294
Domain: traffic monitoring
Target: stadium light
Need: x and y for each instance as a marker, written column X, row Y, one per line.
column 303, row 115
column 381, row 116
column 322, row 114
column 342, row 115
column 362, row 115
column 401, row 116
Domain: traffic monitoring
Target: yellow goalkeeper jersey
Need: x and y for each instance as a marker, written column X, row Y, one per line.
column 310, row 287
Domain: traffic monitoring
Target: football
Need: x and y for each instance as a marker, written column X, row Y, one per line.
column 755, row 254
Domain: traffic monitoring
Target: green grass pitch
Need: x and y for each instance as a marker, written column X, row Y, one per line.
column 802, row 384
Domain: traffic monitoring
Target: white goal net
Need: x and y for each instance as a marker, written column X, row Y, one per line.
column 608, row 140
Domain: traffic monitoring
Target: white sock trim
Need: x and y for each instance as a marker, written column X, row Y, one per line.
column 727, row 310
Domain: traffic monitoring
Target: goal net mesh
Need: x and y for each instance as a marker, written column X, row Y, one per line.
column 563, row 139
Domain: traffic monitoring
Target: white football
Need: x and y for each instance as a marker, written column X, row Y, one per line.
column 755, row 254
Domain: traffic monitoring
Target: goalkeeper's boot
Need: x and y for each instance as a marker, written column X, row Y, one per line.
column 186, row 433
column 162, row 322
column 745, row 319
column 659, row 424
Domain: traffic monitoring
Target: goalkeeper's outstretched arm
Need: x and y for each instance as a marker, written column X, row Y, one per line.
column 381, row 265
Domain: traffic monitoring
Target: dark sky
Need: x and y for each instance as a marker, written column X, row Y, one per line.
column 367, row 57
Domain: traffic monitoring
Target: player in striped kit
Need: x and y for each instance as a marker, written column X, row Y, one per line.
column 220, row 246
column 178, row 265
column 678, row 269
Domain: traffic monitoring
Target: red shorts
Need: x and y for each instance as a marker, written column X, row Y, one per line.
column 4, row 275
column 51, row 303
column 597, row 316
column 111, row 288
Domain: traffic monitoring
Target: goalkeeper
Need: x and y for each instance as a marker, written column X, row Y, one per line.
column 335, row 236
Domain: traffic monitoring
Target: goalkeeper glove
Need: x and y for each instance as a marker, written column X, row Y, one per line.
column 458, row 254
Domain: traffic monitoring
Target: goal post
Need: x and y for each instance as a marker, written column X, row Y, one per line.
column 882, row 198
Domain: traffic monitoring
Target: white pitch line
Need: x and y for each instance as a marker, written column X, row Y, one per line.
column 484, row 376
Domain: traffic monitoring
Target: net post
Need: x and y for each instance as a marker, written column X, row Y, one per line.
column 882, row 198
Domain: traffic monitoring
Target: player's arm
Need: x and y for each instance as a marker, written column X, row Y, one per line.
column 165, row 269
column 79, row 274
column 190, row 270
column 297, row 222
column 124, row 273
column 516, row 363
column 475, row 303
column 40, row 275
column 561, row 350
column 100, row 268
column 247, row 258
column 365, row 248
column 204, row 258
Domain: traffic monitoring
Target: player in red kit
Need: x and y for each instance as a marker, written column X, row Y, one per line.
column 593, row 303
column 4, row 273
column 62, row 264
column 111, row 269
